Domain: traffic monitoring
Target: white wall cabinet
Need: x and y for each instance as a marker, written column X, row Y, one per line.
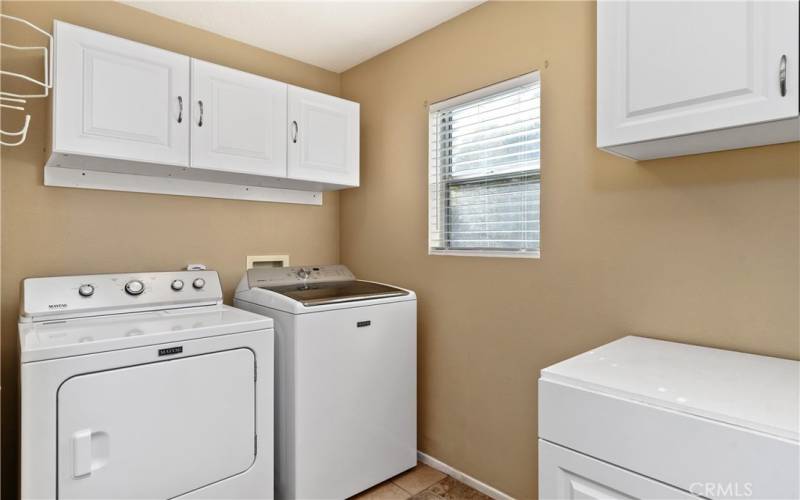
column 323, row 138
column 238, row 121
column 119, row 99
column 677, row 78
column 130, row 117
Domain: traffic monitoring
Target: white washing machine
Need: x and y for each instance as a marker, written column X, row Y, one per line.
column 143, row 386
column 346, row 377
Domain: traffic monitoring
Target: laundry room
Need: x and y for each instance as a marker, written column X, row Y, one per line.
column 400, row 249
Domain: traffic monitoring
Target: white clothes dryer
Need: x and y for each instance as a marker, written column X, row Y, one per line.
column 143, row 386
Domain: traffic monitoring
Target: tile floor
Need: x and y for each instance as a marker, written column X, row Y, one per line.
column 421, row 483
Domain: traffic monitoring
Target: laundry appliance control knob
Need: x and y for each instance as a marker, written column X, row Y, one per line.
column 86, row 290
column 303, row 274
column 134, row 287
column 199, row 283
column 177, row 285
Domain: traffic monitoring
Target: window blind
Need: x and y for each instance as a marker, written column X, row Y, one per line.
column 484, row 170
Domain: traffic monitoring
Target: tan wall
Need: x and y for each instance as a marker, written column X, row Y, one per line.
column 700, row 249
column 53, row 231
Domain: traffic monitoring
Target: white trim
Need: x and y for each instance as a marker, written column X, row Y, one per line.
column 534, row 254
column 485, row 91
column 464, row 478
column 111, row 181
column 519, row 81
column 438, row 196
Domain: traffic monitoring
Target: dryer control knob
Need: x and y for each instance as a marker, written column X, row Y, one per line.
column 134, row 287
column 86, row 290
column 199, row 283
column 177, row 285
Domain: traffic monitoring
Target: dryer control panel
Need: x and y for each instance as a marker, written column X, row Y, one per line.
column 65, row 297
column 271, row 277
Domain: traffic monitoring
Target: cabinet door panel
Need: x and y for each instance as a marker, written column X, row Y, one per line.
column 119, row 99
column 673, row 68
column 323, row 141
column 243, row 126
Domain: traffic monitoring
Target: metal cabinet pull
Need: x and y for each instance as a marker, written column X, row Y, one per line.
column 200, row 121
column 782, row 75
column 180, row 109
column 294, row 131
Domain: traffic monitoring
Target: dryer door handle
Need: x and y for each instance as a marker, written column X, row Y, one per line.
column 89, row 452
column 82, row 453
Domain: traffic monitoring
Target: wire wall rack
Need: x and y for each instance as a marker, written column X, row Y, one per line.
column 16, row 101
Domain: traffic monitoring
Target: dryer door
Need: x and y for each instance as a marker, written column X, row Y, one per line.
column 157, row 430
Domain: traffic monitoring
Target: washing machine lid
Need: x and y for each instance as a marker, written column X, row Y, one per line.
column 336, row 292
column 756, row 392
column 81, row 336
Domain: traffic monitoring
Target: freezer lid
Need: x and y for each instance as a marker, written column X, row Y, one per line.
column 316, row 294
column 747, row 390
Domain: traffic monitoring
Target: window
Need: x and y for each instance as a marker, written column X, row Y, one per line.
column 484, row 171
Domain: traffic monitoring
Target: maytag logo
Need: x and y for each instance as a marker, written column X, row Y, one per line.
column 57, row 306
column 168, row 351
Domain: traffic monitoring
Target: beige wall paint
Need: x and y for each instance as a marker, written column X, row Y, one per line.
column 55, row 231
column 700, row 249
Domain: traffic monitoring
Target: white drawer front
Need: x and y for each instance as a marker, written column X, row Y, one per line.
column 565, row 474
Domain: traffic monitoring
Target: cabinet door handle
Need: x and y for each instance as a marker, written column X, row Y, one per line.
column 180, row 109
column 294, row 131
column 782, row 75
column 200, row 120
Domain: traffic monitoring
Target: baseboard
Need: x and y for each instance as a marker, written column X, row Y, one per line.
column 464, row 478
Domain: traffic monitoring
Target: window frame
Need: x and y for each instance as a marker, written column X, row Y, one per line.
column 433, row 109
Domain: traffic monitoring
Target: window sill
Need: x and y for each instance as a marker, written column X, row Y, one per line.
column 487, row 253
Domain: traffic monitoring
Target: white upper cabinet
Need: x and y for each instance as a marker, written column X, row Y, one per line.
column 238, row 121
column 119, row 99
column 130, row 117
column 323, row 138
column 679, row 78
